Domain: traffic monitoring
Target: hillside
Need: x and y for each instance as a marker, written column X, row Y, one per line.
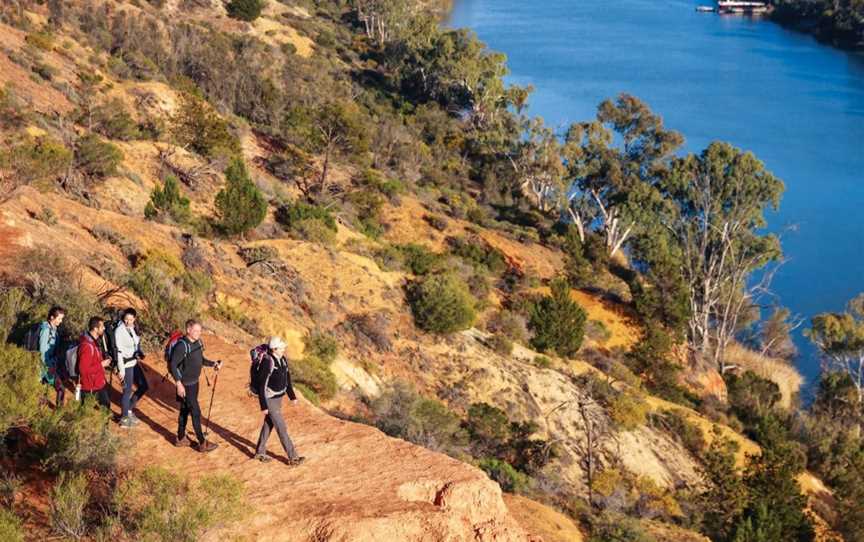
column 96, row 123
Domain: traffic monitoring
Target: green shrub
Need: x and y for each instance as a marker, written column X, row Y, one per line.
column 240, row 205
column 597, row 331
column 419, row 259
column 36, row 160
column 441, row 304
column 612, row 527
column 437, row 222
column 558, row 322
column 367, row 205
column 479, row 254
column 10, row 527
column 401, row 412
column 245, row 10
column 308, row 393
column 47, row 216
column 628, row 411
column 375, row 180
column 113, row 120
column 321, row 345
column 233, row 315
column 69, row 499
column 314, row 231
column 255, row 254
column 199, row 128
column 168, row 201
column 501, row 344
column 10, row 487
column 155, row 504
column 315, row 374
column 510, row 480
column 78, row 438
column 290, row 215
column 97, row 158
column 676, row 424
column 43, row 40
column 13, row 114
column 488, row 427
column 20, row 388
column 543, row 362
column 509, row 324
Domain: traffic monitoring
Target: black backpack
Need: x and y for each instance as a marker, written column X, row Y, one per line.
column 258, row 367
column 109, row 343
column 31, row 338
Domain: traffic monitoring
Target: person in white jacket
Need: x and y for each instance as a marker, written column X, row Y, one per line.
column 128, row 345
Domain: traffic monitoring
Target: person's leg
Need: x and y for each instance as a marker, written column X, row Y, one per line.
column 266, row 427
column 274, row 406
column 141, row 385
column 127, row 391
column 61, row 392
column 181, row 421
column 103, row 398
column 195, row 410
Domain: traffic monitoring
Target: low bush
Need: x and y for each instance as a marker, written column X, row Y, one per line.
column 78, row 437
column 97, row 158
column 245, row 10
column 510, row 479
column 10, row 527
column 489, row 429
column 614, row 527
column 419, row 259
column 197, row 127
column 543, row 362
column 306, row 221
column 597, row 331
column 69, row 499
column 509, row 324
column 34, row 160
column 437, row 222
column 401, row 412
column 441, row 304
column 314, row 231
column 628, row 411
column 20, row 387
column 167, row 202
column 478, row 254
column 676, row 424
column 255, row 254
column 113, row 120
column 316, row 375
column 372, row 179
column 367, row 206
column 558, row 322
column 321, row 345
column 501, row 344
column 43, row 40
column 155, row 504
column 233, row 315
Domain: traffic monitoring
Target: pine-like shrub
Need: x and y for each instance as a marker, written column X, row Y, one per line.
column 240, row 205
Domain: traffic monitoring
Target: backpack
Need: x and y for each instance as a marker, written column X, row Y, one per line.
column 72, row 361
column 31, row 338
column 173, row 339
column 109, row 342
column 257, row 367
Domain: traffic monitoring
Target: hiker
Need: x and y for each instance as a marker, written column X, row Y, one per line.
column 49, row 350
column 92, row 363
column 187, row 359
column 273, row 382
column 128, row 353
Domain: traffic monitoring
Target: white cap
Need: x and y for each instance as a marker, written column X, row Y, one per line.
column 276, row 343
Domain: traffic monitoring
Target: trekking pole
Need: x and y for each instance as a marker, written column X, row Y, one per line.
column 210, row 409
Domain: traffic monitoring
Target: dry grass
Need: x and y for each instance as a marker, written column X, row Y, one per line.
column 540, row 520
column 787, row 378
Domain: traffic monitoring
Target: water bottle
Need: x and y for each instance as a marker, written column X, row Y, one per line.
column 78, row 392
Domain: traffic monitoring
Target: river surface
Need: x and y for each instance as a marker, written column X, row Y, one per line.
column 797, row 104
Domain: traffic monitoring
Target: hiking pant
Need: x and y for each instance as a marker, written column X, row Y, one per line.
column 189, row 405
column 60, row 390
column 132, row 376
column 101, row 396
column 274, row 418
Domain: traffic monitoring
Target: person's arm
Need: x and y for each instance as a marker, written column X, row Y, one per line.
column 262, row 385
column 119, row 350
column 209, row 362
column 44, row 337
column 178, row 354
column 290, row 388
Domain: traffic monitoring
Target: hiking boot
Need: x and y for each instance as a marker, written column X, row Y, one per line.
column 296, row 461
column 126, row 422
column 264, row 458
column 182, row 442
column 134, row 418
column 207, row 446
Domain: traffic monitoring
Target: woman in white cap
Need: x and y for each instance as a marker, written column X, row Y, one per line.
column 272, row 386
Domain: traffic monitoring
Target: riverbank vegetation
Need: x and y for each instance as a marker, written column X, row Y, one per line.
column 389, row 103
column 840, row 23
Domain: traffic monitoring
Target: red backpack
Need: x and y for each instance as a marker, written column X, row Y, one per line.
column 173, row 339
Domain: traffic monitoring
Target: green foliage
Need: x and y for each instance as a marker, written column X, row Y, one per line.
column 441, row 304
column 510, row 324
column 12, row 111
column 679, row 427
column 43, row 40
column 419, row 259
column 97, row 158
column 234, row 315
column 501, row 344
column 488, row 427
column 321, row 345
column 510, row 480
column 315, row 374
column 628, row 410
column 171, row 293
column 11, row 529
column 240, row 205
column 652, row 359
column 20, row 389
column 726, row 496
column 401, row 412
column 751, row 397
column 313, row 223
column 77, row 437
column 245, row 10
column 197, row 127
column 840, row 23
column 558, row 322
column 613, row 527
column 113, row 120
column 34, row 160
column 10, row 487
column 168, row 201
column 69, row 499
column 543, row 362
column 156, row 504
column 479, row 254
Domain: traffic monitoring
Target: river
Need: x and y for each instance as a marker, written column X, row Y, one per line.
column 798, row 105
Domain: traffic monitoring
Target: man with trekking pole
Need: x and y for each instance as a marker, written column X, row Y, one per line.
column 187, row 360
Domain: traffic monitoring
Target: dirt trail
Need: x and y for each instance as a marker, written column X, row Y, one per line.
column 356, row 484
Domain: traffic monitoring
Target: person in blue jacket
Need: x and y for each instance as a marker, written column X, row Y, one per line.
column 53, row 364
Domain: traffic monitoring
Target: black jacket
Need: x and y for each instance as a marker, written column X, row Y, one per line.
column 278, row 380
column 187, row 359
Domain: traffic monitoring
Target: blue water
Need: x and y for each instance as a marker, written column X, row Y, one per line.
column 798, row 105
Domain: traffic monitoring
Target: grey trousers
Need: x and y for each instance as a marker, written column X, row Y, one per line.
column 274, row 419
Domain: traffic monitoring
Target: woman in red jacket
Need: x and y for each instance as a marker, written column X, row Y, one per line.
column 92, row 364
